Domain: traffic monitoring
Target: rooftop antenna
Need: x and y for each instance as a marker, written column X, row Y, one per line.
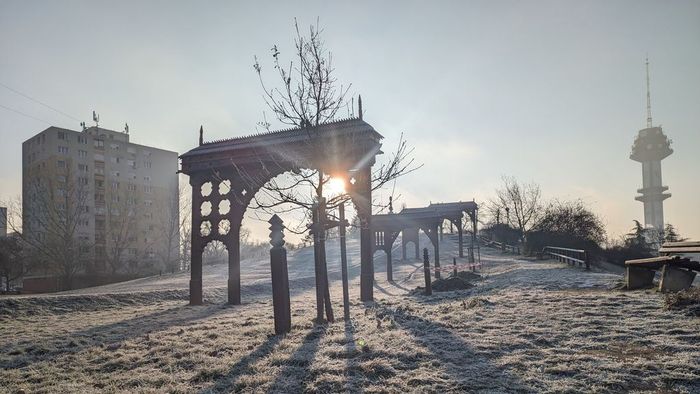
column 96, row 118
column 648, row 96
column 359, row 106
column 126, row 128
column 82, row 124
column 201, row 135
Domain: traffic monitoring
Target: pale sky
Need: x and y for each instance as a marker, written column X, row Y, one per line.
column 547, row 91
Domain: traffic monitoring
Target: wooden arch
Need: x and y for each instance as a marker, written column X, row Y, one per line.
column 346, row 147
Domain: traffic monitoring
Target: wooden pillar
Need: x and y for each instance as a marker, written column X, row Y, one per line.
column 437, row 257
column 317, row 270
column 403, row 244
column 389, row 268
column 417, row 243
column 197, row 244
column 363, row 203
column 280, row 277
column 344, row 263
column 426, row 271
column 460, row 233
column 234, row 264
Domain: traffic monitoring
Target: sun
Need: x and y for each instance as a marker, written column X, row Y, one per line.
column 335, row 186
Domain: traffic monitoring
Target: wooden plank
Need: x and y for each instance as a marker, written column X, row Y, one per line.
column 679, row 249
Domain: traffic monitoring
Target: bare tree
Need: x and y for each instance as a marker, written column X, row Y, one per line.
column 51, row 225
column 121, row 229
column 520, row 202
column 308, row 95
column 170, row 229
column 185, row 229
column 13, row 264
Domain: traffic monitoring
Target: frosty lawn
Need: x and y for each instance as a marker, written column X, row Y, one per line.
column 526, row 326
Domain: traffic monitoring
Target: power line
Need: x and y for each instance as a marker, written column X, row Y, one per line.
column 23, row 114
column 39, row 102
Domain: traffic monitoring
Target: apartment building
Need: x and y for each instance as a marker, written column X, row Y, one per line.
column 113, row 200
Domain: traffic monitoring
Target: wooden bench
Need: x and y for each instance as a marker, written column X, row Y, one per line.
column 677, row 272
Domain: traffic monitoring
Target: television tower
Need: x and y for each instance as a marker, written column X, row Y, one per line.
column 650, row 147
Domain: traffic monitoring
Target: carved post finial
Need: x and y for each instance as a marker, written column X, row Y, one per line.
column 201, row 135
column 359, row 106
column 391, row 204
column 276, row 231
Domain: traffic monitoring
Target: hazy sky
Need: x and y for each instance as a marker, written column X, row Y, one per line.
column 551, row 92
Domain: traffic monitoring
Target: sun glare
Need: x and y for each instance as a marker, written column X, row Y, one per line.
column 335, row 186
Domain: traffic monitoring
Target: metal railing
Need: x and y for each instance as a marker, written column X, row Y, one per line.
column 570, row 256
column 500, row 245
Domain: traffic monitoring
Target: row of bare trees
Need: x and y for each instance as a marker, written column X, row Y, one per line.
column 52, row 237
column 518, row 213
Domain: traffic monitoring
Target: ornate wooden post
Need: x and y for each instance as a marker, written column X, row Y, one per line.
column 197, row 243
column 280, row 279
column 344, row 262
column 426, row 271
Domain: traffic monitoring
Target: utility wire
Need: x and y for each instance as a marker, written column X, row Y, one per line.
column 23, row 114
column 38, row 102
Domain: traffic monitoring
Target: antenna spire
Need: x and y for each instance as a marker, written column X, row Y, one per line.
column 201, row 135
column 359, row 106
column 649, row 124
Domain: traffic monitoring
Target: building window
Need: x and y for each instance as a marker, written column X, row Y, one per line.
column 62, row 135
column 82, row 181
column 115, row 173
column 82, row 153
column 115, row 185
column 61, row 164
column 99, row 144
column 148, row 189
column 99, row 184
column 131, row 187
column 147, row 178
column 148, row 203
column 63, row 150
column 82, row 139
column 131, row 163
column 99, row 156
column 83, row 167
column 115, row 160
column 114, row 146
column 147, row 164
column 61, row 178
column 131, row 150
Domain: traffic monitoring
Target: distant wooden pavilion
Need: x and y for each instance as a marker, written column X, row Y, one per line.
column 387, row 227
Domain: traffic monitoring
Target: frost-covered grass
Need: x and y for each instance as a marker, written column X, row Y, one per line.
column 526, row 326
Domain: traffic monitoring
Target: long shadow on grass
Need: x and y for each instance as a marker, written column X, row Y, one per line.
column 227, row 383
column 108, row 335
column 468, row 370
column 297, row 368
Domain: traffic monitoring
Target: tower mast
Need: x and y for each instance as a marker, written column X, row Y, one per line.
column 648, row 96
